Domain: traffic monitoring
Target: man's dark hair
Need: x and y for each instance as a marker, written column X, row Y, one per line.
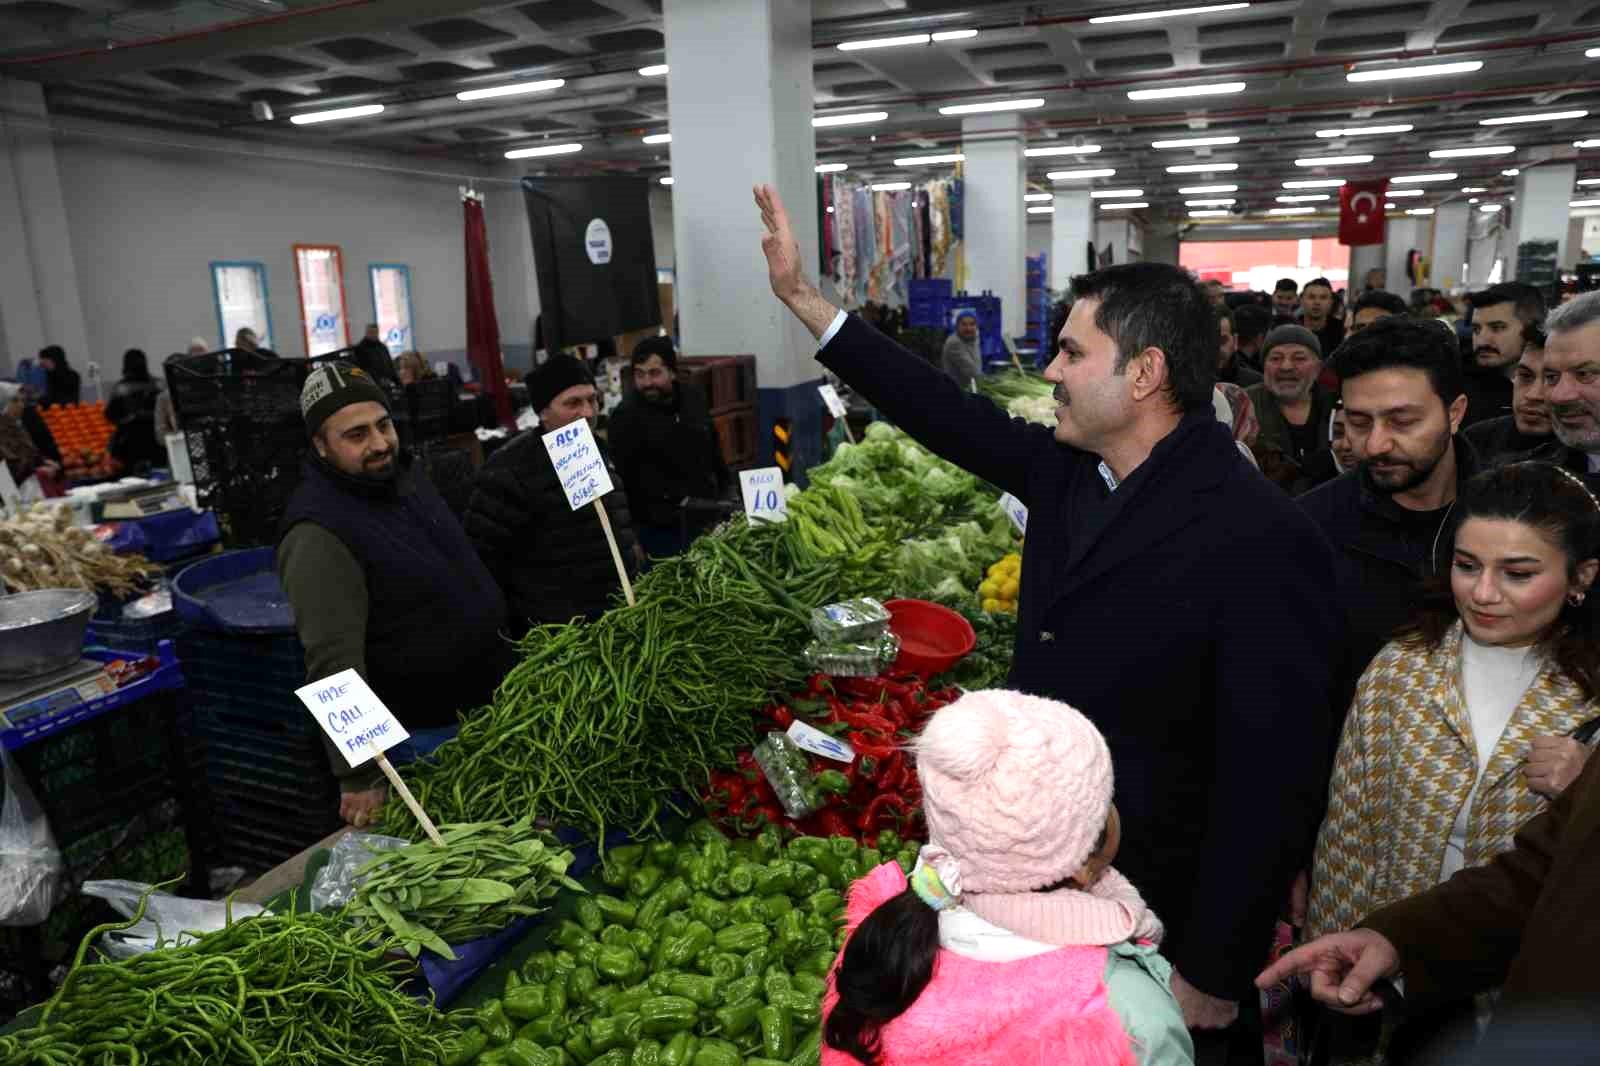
column 1402, row 341
column 1382, row 300
column 1527, row 301
column 661, row 346
column 1286, row 285
column 1324, row 282
column 1250, row 322
column 1225, row 314
column 1156, row 305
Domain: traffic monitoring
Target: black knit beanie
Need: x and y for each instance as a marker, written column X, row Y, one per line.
column 558, row 374
column 333, row 386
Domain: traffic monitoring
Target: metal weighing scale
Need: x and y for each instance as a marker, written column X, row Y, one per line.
column 33, row 697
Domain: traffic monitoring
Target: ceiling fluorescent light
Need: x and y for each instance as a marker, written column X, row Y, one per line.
column 992, row 105
column 1036, row 197
column 1332, row 160
column 1315, row 183
column 1462, row 153
column 1201, row 168
column 515, row 89
column 312, row 117
column 1041, row 210
column 955, row 35
column 1116, row 194
column 1421, row 179
column 1406, row 192
column 1430, row 70
column 1513, row 172
column 1419, row 211
column 884, row 42
column 1070, row 175
column 1305, row 198
column 1174, row 92
column 1367, row 131
column 854, row 119
column 1171, row 13
column 1065, row 149
column 1591, row 53
column 1117, row 207
column 1472, row 199
column 890, row 186
column 1209, row 214
column 1226, row 201
column 543, row 149
column 1584, row 203
column 1194, row 142
column 1586, row 144
column 1189, row 189
column 928, row 160
column 831, row 168
column 1547, row 116
column 1491, row 209
column 1291, row 210
column 667, row 180
column 1476, row 188
column 657, row 138
column 1581, row 181
column 653, row 72
column 1390, row 207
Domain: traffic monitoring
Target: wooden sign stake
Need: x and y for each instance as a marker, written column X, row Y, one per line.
column 616, row 553
column 405, row 793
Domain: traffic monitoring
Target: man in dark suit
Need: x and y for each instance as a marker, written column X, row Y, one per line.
column 1154, row 549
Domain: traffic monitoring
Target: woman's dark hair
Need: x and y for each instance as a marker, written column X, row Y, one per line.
column 887, row 963
column 1157, row 305
column 135, row 367
column 1556, row 504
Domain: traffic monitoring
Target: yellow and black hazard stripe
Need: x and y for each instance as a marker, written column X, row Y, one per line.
column 780, row 444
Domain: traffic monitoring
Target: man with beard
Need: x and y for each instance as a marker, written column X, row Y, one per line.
column 1401, row 389
column 1528, row 425
column 1152, row 545
column 552, row 561
column 383, row 580
column 667, row 450
column 1502, row 315
column 1286, row 300
column 960, row 358
column 1229, row 367
column 1292, row 409
column 1572, row 387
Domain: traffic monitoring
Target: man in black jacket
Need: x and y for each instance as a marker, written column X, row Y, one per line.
column 668, row 452
column 1400, row 380
column 372, row 355
column 1154, row 552
column 1502, row 317
column 1528, row 425
column 1572, row 388
column 553, row 562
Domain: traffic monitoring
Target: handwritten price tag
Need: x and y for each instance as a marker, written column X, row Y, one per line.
column 352, row 715
column 1016, row 512
column 817, row 742
column 830, row 396
column 764, row 500
column 578, row 463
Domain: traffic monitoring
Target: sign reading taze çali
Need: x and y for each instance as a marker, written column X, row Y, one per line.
column 352, row 715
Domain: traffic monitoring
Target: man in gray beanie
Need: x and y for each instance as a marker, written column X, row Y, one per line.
column 1292, row 408
column 383, row 579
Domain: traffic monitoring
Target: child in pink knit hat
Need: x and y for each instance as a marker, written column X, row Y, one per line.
column 1013, row 942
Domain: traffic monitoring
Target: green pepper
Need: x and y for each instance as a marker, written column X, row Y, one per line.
column 674, row 924
column 745, row 909
column 814, row 852
column 698, row 872
column 616, row 876
column 618, row 964
column 616, row 936
column 491, row 1018
column 662, row 853
column 588, row 953
column 775, row 907
column 526, row 1003
column 717, row 854
column 555, row 999
column 907, row 858
column 803, row 1007
column 737, row 1018
column 613, row 1032
column 513, row 980
column 808, row 983
column 871, row 859
column 832, row 782
column 663, row 1015
column 792, row 931
column 588, row 913
column 827, row 903
column 465, row 1048
column 660, row 982
column 581, row 985
column 742, row 989
column 844, row 847
column 756, row 962
column 565, row 961
column 769, row 842
column 540, row 966
column 777, row 1031
column 702, row 991
column 712, row 912
column 888, row 841
column 721, row 887
column 703, row 831
column 743, row 938
column 679, row 1050
column 664, row 899
column 617, row 911
column 646, row 1053
column 600, row 999
column 851, row 871
column 776, row 983
column 810, row 1053
column 742, row 878
column 682, row 951
column 577, row 1045
column 571, row 936
column 644, row 880
column 614, row 1057
column 718, row 1053
column 525, row 1053
column 629, row 1000
column 629, row 856
column 642, row 942
column 817, row 962
column 492, row 1057
column 758, row 1060
column 775, row 877
column 808, row 880
column 723, row 965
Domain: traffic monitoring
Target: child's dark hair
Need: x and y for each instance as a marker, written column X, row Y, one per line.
column 1557, row 504
column 887, row 963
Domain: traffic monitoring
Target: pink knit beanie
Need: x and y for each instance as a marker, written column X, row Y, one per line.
column 1015, row 787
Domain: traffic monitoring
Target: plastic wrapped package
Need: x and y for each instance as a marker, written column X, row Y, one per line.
column 850, row 622
column 866, row 659
column 168, row 920
column 336, row 883
column 30, row 862
column 788, row 771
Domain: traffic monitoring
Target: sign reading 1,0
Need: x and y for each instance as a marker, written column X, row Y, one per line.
column 763, row 494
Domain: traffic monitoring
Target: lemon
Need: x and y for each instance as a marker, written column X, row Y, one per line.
column 1009, row 589
column 989, row 590
column 992, row 606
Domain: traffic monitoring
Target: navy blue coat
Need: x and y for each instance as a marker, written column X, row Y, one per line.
column 1193, row 624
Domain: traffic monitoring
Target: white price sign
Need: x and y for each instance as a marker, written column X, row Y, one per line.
column 830, row 396
column 763, row 494
column 817, row 742
column 1016, row 512
column 578, row 463
column 352, row 715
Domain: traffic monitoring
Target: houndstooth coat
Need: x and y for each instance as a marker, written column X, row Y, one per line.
column 1406, row 764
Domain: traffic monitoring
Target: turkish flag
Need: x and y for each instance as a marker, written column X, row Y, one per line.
column 1361, row 212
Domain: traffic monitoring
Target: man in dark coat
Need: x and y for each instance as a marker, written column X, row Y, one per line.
column 553, row 562
column 1528, row 425
column 1503, row 318
column 372, row 355
column 1400, row 380
column 64, row 384
column 1154, row 549
column 668, row 452
column 1572, row 388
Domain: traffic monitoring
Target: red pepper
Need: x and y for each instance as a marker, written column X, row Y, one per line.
column 834, row 824
column 761, row 814
column 868, row 821
column 781, row 716
column 876, row 747
column 860, row 717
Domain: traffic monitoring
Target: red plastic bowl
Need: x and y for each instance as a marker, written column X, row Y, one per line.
column 932, row 638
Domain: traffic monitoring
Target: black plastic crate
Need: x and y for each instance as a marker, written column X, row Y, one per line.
column 134, row 634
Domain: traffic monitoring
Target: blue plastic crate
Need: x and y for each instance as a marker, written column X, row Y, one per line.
column 134, row 634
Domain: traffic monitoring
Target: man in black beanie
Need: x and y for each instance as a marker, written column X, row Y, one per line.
column 552, row 561
column 669, row 454
column 383, row 579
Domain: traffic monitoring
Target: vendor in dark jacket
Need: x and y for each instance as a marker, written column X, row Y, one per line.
column 553, row 562
column 668, row 452
column 1503, row 318
column 1153, row 548
column 1528, row 425
column 132, row 409
column 383, row 580
column 1572, row 388
column 1400, row 380
column 64, row 385
column 1293, row 408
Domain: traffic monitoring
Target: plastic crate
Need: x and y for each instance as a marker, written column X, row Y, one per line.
column 736, row 433
column 134, row 634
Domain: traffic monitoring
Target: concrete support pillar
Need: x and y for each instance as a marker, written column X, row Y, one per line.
column 1161, row 243
column 1448, row 256
column 1402, row 236
column 39, row 299
column 1365, row 257
column 1071, row 233
column 723, row 142
column 994, row 222
column 1541, row 212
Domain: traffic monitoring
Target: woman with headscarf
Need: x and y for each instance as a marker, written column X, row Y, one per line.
column 132, row 410
column 62, row 382
column 22, row 457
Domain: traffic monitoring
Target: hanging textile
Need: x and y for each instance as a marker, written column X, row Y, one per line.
column 900, row 246
column 483, row 329
column 845, row 223
column 866, row 242
column 825, row 220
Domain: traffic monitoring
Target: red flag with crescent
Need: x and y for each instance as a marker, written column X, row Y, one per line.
column 1361, row 212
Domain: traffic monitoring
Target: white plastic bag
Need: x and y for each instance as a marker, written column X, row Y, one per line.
column 30, row 863
column 168, row 920
column 335, row 884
